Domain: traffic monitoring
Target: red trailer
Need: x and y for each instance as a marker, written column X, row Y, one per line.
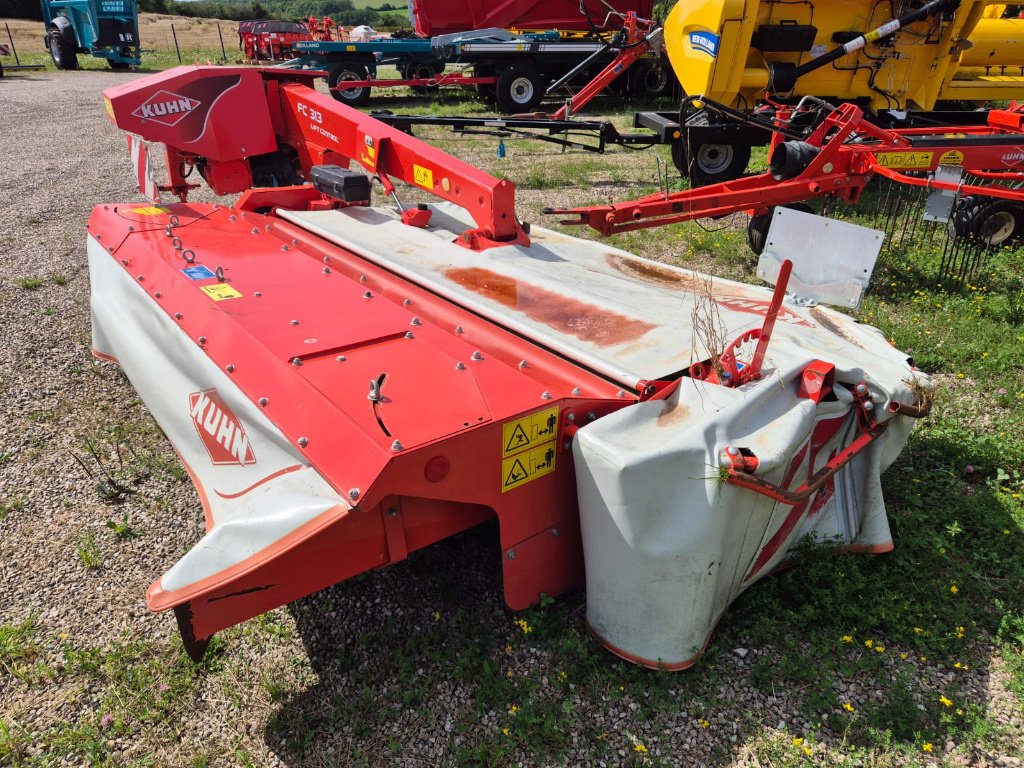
column 442, row 17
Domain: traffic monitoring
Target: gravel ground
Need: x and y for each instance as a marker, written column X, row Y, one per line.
column 69, row 426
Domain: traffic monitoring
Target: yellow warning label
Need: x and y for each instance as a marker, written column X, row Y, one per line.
column 109, row 107
column 350, row 47
column 152, row 210
column 220, row 291
column 953, row 157
column 905, row 160
column 527, row 466
column 423, row 176
column 529, row 431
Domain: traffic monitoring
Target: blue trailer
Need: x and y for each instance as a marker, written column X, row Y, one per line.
column 515, row 70
column 105, row 29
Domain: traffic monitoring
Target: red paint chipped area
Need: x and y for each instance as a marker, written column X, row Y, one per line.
column 570, row 316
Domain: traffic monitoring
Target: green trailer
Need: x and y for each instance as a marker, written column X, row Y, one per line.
column 105, row 29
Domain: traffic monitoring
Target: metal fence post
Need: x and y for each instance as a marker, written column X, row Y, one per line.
column 176, row 48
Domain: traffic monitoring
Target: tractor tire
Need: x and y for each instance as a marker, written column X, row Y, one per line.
column 649, row 81
column 520, row 88
column 417, row 70
column 757, row 227
column 63, row 55
column 711, row 163
column 119, row 66
column 338, row 74
column 989, row 222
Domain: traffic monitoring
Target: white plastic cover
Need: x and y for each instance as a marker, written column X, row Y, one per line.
column 260, row 489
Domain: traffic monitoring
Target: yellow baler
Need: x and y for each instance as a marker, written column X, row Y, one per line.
column 734, row 51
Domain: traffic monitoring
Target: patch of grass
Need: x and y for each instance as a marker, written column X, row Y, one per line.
column 18, row 642
column 123, row 529
column 29, row 283
column 59, row 279
column 88, row 551
column 13, row 504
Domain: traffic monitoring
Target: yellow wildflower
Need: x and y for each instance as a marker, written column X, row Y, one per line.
column 524, row 625
column 869, row 643
column 640, row 748
column 926, row 747
column 918, row 630
column 797, row 741
column 808, row 751
column 504, row 731
column 960, row 665
column 945, row 702
column 846, row 639
column 437, row 615
column 960, row 632
column 954, row 589
column 903, row 656
column 848, row 706
column 562, row 675
column 513, row 709
column 879, row 649
column 703, row 723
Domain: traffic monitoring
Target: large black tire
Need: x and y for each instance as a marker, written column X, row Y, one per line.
column 757, row 227
column 338, row 74
column 63, row 54
column 119, row 66
column 520, row 88
column 416, row 70
column 710, row 163
column 647, row 80
column 990, row 222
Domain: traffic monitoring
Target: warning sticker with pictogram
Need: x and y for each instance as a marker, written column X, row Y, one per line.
column 529, row 431
column 527, row 466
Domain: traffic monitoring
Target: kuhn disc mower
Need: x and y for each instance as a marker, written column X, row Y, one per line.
column 348, row 383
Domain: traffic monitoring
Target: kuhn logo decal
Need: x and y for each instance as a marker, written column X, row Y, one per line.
column 705, row 42
column 755, row 307
column 220, row 430
column 166, row 107
column 1014, row 157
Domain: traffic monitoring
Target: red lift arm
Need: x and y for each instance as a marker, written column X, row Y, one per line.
column 837, row 159
column 231, row 124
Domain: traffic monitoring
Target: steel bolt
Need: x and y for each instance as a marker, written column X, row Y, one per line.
column 591, row 416
column 362, row 278
column 555, row 532
column 406, row 302
column 293, row 322
column 284, row 247
column 408, row 334
column 177, row 315
column 140, row 278
column 458, row 329
column 869, row 406
column 327, row 270
column 340, row 358
column 263, row 402
column 202, row 339
column 392, row 512
column 620, row 393
column 545, row 395
column 353, row 493
column 416, row 321
column 303, row 442
column 476, row 356
column 397, row 446
column 522, row 363
column 570, row 416
column 732, row 451
column 368, row 295
column 257, row 294
column 511, row 555
column 577, row 391
column 296, row 361
column 460, row 366
column 158, row 295
column 230, row 368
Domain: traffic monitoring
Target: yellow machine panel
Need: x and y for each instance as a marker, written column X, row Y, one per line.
column 727, row 50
